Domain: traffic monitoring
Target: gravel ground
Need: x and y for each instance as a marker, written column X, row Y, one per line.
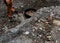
column 37, row 29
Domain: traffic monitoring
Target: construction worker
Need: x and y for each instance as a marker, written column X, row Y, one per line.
column 10, row 9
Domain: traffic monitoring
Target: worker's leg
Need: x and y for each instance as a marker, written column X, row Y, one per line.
column 8, row 2
column 9, row 7
column 9, row 11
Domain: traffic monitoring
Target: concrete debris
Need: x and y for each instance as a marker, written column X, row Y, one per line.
column 38, row 28
column 56, row 22
column 26, row 33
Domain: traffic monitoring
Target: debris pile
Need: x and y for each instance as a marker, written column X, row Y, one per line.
column 39, row 28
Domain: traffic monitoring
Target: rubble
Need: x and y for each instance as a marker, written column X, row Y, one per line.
column 38, row 28
column 56, row 22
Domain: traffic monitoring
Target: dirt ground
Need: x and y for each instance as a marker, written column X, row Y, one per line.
column 40, row 28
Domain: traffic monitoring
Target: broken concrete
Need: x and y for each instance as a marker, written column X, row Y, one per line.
column 31, row 24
